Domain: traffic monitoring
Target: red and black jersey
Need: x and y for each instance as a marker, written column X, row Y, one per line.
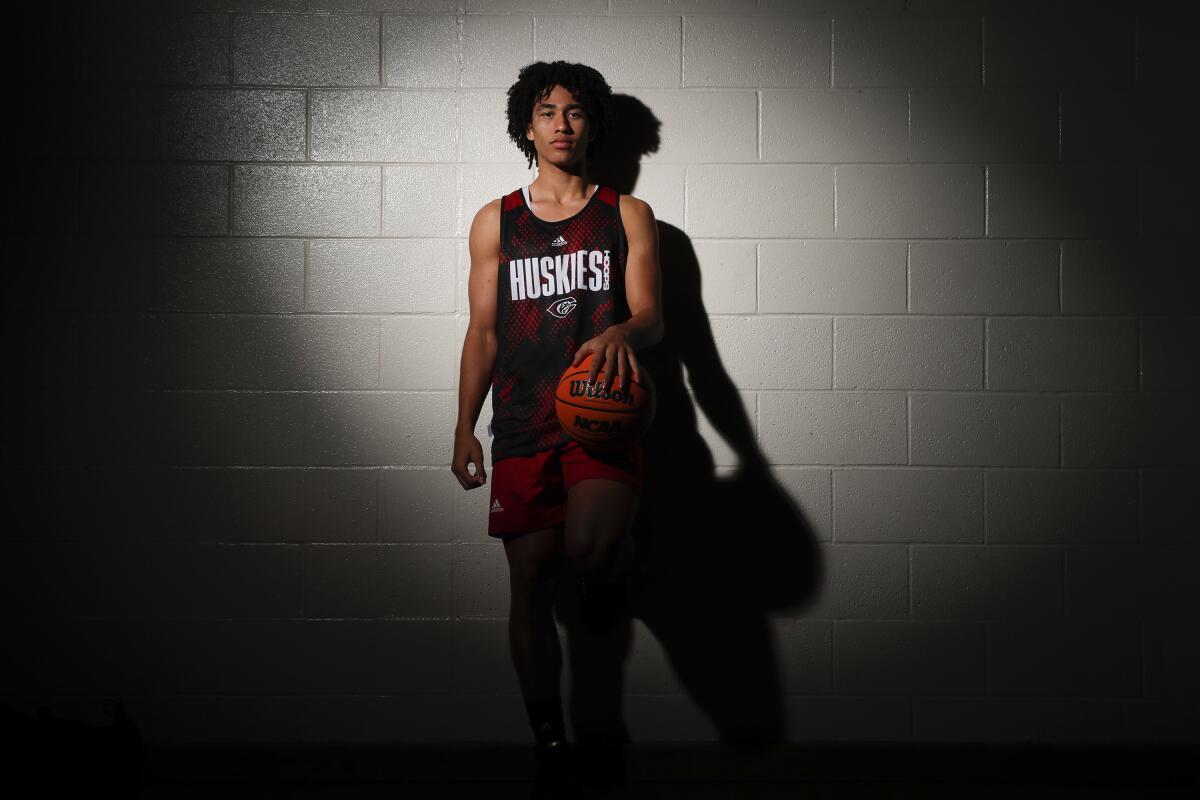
column 560, row 284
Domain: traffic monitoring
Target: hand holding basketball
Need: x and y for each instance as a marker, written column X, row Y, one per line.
column 603, row 418
column 612, row 351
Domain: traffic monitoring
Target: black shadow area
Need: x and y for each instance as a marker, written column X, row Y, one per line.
column 716, row 553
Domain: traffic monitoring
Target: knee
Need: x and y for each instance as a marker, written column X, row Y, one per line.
column 534, row 579
column 593, row 552
column 532, row 597
column 582, row 546
column 594, row 561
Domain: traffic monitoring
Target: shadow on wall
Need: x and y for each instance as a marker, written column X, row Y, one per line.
column 716, row 554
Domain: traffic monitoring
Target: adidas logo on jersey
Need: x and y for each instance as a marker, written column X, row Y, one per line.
column 559, row 241
column 496, row 506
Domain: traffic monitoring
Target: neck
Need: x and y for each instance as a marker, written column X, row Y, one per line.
column 559, row 185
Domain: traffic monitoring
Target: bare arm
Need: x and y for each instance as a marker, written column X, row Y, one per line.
column 643, row 277
column 613, row 350
column 479, row 346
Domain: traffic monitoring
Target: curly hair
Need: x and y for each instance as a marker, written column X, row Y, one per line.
column 536, row 80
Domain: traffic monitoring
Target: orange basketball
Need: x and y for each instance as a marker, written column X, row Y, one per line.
column 599, row 419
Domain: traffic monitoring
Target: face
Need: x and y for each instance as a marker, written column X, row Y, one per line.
column 559, row 129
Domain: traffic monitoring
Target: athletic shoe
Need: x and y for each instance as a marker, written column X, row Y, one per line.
column 556, row 774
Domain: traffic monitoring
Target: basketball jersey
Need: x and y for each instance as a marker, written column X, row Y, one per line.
column 560, row 284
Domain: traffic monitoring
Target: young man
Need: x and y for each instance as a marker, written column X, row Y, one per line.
column 559, row 270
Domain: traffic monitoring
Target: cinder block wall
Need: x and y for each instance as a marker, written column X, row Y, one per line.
column 938, row 251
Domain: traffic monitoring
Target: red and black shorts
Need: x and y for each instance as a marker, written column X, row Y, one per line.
column 530, row 492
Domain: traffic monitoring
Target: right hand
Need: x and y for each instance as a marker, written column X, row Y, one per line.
column 468, row 449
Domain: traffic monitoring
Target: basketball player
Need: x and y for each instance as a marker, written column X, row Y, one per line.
column 559, row 269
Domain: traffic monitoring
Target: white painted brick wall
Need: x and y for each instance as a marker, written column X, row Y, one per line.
column 943, row 253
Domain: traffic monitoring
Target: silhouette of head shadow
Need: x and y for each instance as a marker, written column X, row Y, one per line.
column 716, row 553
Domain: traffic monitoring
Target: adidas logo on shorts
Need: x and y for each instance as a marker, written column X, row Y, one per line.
column 496, row 506
column 559, row 241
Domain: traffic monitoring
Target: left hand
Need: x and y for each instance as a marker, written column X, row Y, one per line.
column 612, row 350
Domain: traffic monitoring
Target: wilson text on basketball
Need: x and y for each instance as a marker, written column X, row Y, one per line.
column 596, row 390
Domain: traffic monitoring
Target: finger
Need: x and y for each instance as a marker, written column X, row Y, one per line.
column 614, row 365
column 618, row 368
column 633, row 363
column 597, row 361
column 465, row 478
column 623, row 369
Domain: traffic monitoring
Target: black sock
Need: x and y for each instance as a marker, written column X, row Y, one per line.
column 546, row 718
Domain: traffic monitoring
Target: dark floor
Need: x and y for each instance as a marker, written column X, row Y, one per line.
column 660, row 772
column 652, row 771
column 698, row 791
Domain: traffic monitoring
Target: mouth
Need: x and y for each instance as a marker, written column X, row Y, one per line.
column 562, row 143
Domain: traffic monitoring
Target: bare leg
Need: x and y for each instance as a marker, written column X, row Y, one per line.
column 600, row 516
column 534, row 561
column 599, row 543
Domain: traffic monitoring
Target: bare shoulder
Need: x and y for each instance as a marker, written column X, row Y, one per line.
column 490, row 212
column 636, row 212
column 485, row 228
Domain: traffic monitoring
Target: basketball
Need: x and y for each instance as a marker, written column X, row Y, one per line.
column 599, row 419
